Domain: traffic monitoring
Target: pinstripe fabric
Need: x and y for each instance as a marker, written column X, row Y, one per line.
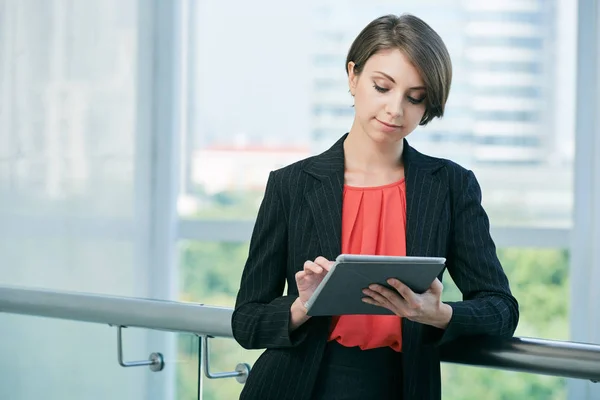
column 300, row 219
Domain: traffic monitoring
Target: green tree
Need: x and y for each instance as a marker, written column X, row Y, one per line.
column 539, row 281
column 210, row 274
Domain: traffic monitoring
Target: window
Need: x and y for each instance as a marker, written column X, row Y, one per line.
column 512, row 91
column 528, row 198
column 72, row 179
column 135, row 147
column 512, row 42
column 539, row 279
column 286, row 109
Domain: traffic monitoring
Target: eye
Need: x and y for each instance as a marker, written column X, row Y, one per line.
column 379, row 88
column 415, row 101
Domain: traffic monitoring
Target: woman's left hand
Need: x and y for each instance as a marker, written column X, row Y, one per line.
column 426, row 308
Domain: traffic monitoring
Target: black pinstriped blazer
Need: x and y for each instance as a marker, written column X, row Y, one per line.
column 300, row 218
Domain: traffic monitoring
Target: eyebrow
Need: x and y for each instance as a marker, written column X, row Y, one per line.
column 393, row 81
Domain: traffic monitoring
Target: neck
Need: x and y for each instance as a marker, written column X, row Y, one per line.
column 361, row 152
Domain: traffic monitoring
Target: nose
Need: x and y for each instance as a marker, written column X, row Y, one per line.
column 394, row 107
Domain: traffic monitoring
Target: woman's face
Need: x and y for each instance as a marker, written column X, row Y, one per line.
column 388, row 95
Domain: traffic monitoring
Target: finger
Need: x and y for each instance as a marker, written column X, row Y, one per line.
column 323, row 263
column 406, row 292
column 371, row 301
column 392, row 296
column 300, row 276
column 398, row 305
column 312, row 268
column 436, row 287
column 378, row 297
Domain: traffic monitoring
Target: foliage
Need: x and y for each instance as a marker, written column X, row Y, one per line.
column 228, row 205
column 539, row 281
column 210, row 274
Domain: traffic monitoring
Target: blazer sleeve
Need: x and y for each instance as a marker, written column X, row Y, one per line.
column 261, row 316
column 488, row 306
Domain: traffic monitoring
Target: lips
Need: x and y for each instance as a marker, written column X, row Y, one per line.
column 391, row 126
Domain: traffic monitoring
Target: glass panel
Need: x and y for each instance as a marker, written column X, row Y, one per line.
column 211, row 271
column 539, row 280
column 67, row 360
column 510, row 116
column 187, row 370
column 75, row 360
column 504, row 120
column 67, row 137
column 69, row 171
column 210, row 274
column 67, row 263
column 471, row 383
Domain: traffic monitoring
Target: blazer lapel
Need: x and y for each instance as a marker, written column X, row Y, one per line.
column 325, row 198
column 425, row 198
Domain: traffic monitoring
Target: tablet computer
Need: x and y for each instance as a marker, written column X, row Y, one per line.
column 340, row 292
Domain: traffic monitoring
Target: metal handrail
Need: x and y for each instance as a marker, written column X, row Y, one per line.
column 531, row 355
column 539, row 356
column 132, row 312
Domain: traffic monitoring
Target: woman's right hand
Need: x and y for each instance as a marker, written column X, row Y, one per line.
column 308, row 279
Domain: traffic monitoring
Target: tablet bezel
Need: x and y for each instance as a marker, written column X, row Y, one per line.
column 352, row 304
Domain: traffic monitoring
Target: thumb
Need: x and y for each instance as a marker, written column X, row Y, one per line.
column 328, row 265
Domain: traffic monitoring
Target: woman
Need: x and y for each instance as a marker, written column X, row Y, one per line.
column 371, row 193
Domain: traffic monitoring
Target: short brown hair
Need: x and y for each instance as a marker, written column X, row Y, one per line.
column 423, row 47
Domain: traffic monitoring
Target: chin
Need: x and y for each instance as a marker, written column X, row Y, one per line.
column 377, row 136
column 382, row 137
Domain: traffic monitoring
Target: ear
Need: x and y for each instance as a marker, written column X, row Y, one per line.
column 352, row 78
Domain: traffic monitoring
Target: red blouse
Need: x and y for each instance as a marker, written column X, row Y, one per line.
column 373, row 222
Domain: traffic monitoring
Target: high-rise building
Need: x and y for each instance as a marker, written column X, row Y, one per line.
column 510, row 60
column 500, row 109
column 337, row 24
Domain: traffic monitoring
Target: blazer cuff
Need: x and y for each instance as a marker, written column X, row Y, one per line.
column 436, row 337
column 290, row 339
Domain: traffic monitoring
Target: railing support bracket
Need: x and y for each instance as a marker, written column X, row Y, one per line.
column 155, row 362
column 241, row 372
